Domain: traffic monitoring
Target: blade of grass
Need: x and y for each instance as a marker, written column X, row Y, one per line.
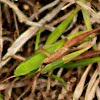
column 38, row 38
column 92, row 92
column 98, row 93
column 60, row 28
column 1, row 97
column 86, row 19
column 91, row 83
column 65, row 91
column 59, row 79
column 86, row 16
column 92, row 13
column 79, row 88
column 81, row 63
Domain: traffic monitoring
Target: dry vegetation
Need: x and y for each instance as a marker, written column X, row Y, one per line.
column 20, row 21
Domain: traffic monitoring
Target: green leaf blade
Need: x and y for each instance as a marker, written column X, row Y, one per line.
column 80, row 63
column 60, row 29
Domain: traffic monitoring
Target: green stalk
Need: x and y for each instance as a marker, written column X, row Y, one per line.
column 86, row 16
column 61, row 28
column 59, row 79
column 86, row 19
column 38, row 38
column 81, row 63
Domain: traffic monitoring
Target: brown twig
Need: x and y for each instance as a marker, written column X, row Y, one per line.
column 8, row 78
column 55, row 22
column 38, row 71
column 28, row 88
column 8, row 92
column 1, row 40
column 79, row 38
column 44, row 8
column 87, row 54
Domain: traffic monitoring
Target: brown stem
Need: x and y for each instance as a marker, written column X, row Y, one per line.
column 79, row 38
column 87, row 54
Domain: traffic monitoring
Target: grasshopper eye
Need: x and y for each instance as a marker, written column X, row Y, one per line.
column 43, row 65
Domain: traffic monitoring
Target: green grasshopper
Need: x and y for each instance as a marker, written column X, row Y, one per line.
column 47, row 62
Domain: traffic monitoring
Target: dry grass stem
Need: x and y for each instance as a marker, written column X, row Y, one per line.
column 28, row 88
column 64, row 91
column 44, row 8
column 4, row 86
column 64, row 29
column 90, row 10
column 27, row 34
column 98, row 92
column 1, row 39
column 93, row 90
column 91, row 84
column 9, row 90
column 58, row 75
column 80, row 86
column 55, row 22
column 18, row 57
